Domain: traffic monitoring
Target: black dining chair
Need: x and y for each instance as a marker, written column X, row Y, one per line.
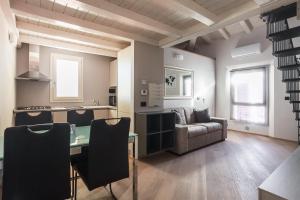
column 36, row 165
column 107, row 158
column 25, row 118
column 80, row 119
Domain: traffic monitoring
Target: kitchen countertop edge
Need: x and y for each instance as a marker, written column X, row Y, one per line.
column 60, row 109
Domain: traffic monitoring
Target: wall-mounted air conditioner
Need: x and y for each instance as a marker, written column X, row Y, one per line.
column 247, row 50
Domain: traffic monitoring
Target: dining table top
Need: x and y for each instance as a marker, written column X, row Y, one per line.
column 79, row 138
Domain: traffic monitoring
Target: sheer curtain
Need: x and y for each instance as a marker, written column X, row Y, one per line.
column 249, row 95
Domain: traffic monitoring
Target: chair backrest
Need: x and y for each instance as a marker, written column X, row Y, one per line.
column 80, row 119
column 108, row 152
column 24, row 118
column 36, row 165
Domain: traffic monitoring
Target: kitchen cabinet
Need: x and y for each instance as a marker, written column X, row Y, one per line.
column 101, row 114
column 59, row 117
column 112, row 114
column 113, row 73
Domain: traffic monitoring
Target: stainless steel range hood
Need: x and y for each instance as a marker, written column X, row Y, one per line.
column 33, row 73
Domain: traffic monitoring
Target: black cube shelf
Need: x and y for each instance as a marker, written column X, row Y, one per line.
column 156, row 132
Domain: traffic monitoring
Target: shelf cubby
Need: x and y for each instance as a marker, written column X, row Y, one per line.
column 168, row 139
column 153, row 123
column 168, row 121
column 153, row 143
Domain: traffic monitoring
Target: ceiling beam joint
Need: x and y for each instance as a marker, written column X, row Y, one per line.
column 247, row 26
column 224, row 33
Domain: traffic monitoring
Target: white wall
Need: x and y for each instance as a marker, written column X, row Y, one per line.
column 148, row 65
column 95, row 78
column 126, row 84
column 204, row 78
column 7, row 75
column 282, row 122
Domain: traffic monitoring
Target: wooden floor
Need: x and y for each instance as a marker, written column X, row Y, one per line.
column 228, row 170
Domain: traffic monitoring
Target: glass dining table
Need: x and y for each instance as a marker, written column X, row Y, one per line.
column 80, row 138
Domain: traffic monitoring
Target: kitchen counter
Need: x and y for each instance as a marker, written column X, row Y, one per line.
column 59, row 109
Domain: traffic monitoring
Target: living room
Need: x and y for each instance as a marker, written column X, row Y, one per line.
column 183, row 99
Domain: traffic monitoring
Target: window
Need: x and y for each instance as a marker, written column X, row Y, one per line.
column 187, row 85
column 249, row 95
column 67, row 82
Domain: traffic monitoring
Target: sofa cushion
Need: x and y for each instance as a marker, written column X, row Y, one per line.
column 211, row 126
column 202, row 116
column 190, row 115
column 196, row 130
column 179, row 116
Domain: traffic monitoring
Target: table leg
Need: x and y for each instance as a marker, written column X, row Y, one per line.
column 134, row 173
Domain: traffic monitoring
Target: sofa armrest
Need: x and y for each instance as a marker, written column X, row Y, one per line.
column 181, row 142
column 224, row 124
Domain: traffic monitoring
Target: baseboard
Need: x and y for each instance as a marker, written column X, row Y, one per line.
column 252, row 133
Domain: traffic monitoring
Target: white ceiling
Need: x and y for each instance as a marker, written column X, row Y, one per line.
column 110, row 25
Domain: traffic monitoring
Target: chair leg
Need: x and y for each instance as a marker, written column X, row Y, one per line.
column 72, row 182
column 75, row 186
column 111, row 192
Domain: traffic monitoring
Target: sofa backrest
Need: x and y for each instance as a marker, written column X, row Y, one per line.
column 189, row 115
column 187, row 112
column 180, row 110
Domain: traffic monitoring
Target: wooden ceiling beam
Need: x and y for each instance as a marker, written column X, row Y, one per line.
column 249, row 10
column 192, row 44
column 198, row 12
column 111, row 11
column 192, row 9
column 247, row 26
column 225, row 34
column 24, row 38
column 51, row 33
column 261, row 2
column 59, row 19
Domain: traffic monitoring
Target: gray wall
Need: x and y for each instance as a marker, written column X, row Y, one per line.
column 204, row 79
column 282, row 122
column 148, row 65
column 7, row 75
column 95, row 78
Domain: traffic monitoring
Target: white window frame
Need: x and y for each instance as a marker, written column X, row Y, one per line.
column 265, row 103
column 53, row 96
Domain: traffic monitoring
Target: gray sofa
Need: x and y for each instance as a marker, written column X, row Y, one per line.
column 193, row 135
